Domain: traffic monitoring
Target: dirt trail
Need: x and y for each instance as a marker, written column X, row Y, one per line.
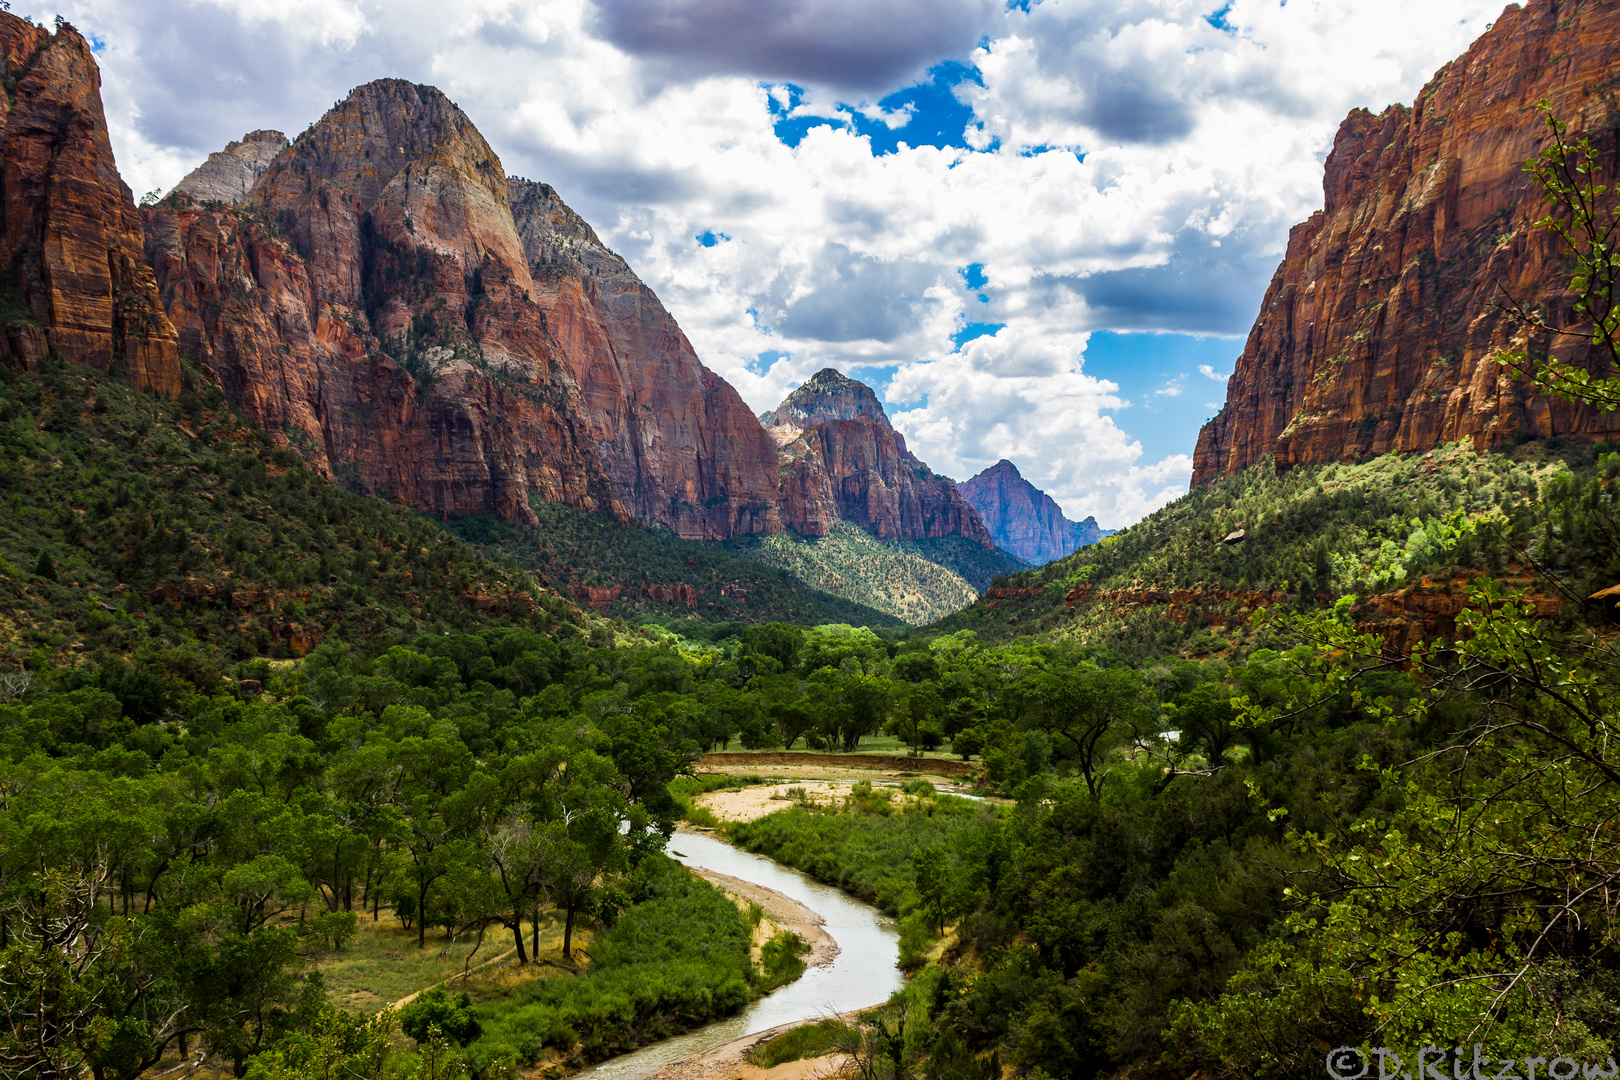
column 733, row 760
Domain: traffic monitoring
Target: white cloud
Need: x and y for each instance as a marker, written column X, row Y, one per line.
column 1200, row 148
column 1209, row 372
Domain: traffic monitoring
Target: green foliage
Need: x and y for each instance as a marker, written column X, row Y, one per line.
column 435, row 1012
column 158, row 526
column 807, row 1041
column 572, row 549
column 676, row 958
column 781, row 959
column 1314, row 535
column 866, row 846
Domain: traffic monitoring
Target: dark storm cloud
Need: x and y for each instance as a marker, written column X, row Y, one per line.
column 848, row 44
column 1133, row 106
column 1196, row 292
column 857, row 298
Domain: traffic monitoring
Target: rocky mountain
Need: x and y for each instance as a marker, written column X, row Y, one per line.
column 386, row 300
column 1377, row 330
column 229, row 175
column 840, row 458
column 74, row 282
column 1024, row 520
column 370, row 305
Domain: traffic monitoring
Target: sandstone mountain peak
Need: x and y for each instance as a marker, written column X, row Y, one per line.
column 841, row 458
column 1023, row 519
column 829, row 394
column 1377, row 330
column 228, row 175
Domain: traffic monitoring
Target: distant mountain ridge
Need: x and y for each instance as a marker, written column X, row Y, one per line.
column 1023, row 519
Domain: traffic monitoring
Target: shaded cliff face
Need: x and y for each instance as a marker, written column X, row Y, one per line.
column 71, row 244
column 370, row 304
column 229, row 175
column 677, row 442
column 1022, row 519
column 841, row 459
column 1375, row 331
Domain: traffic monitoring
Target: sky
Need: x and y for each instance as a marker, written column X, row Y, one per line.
column 1041, row 229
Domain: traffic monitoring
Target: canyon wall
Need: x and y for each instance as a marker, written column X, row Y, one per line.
column 1377, row 331
column 678, row 443
column 70, row 244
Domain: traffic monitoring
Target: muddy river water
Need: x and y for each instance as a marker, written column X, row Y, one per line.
column 862, row 974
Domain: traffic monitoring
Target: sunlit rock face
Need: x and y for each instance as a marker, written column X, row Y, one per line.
column 1377, row 329
column 71, row 248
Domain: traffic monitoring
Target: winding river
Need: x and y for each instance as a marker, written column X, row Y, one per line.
column 861, row 975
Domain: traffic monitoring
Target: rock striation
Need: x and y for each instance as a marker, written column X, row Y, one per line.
column 677, row 442
column 840, row 458
column 1377, row 330
column 72, row 279
column 1024, row 520
column 229, row 175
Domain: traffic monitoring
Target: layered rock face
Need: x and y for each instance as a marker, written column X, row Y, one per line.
column 842, row 459
column 229, row 175
column 1024, row 520
column 677, row 442
column 1376, row 332
column 70, row 250
column 370, row 303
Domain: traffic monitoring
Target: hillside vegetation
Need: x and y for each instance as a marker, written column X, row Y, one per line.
column 916, row 581
column 656, row 574
column 1322, row 536
column 136, row 524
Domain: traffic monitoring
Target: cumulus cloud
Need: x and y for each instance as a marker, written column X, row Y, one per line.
column 1209, row 372
column 1124, row 166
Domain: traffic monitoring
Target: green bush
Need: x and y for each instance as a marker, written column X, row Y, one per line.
column 674, row 960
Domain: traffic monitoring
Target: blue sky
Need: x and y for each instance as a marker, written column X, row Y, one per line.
column 1029, row 225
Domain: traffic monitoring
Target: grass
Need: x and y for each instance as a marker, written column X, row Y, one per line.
column 382, row 964
column 810, row 1041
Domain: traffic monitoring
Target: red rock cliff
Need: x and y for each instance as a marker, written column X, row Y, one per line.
column 1375, row 333
column 1022, row 519
column 842, row 459
column 370, row 303
column 70, row 250
column 677, row 442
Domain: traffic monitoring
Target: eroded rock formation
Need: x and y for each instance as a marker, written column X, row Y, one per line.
column 842, row 459
column 1377, row 330
column 72, row 280
column 1024, row 520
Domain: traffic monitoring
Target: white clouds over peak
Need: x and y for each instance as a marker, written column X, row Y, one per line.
column 1127, row 165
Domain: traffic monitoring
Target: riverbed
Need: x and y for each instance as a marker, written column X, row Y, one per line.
column 861, row 975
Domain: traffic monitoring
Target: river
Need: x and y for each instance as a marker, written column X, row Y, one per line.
column 861, row 975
